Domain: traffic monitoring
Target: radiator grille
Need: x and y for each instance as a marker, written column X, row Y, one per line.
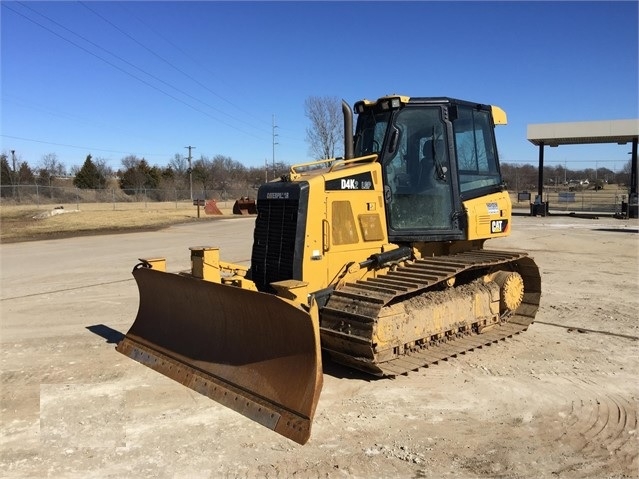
column 274, row 246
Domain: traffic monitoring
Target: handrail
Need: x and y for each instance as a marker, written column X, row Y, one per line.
column 335, row 162
column 363, row 159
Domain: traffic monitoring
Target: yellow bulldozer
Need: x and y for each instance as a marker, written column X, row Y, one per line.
column 376, row 259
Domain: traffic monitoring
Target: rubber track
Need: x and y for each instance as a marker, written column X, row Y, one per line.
column 360, row 303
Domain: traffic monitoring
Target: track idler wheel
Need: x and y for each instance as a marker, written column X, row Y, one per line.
column 511, row 290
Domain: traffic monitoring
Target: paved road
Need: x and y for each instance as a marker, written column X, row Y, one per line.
column 70, row 283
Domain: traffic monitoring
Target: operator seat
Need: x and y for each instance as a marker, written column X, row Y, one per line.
column 427, row 166
column 434, row 188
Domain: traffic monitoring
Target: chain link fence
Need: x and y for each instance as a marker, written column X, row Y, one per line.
column 113, row 198
column 607, row 200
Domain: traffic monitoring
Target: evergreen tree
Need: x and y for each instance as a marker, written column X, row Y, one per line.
column 139, row 176
column 6, row 177
column 89, row 177
column 5, row 171
column 25, row 174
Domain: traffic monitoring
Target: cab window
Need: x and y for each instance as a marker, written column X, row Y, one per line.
column 476, row 151
column 418, row 184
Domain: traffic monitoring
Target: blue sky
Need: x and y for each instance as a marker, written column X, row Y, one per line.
column 148, row 78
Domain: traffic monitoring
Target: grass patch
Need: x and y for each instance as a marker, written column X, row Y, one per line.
column 28, row 223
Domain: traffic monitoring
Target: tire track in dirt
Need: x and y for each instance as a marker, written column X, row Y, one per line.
column 601, row 424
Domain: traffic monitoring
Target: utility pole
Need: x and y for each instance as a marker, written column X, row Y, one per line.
column 265, row 170
column 190, row 170
column 274, row 143
column 14, row 174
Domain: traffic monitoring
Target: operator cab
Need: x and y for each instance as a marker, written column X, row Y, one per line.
column 435, row 153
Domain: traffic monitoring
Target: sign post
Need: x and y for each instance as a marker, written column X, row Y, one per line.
column 198, row 202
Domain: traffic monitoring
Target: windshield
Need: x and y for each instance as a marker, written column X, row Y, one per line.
column 476, row 151
column 370, row 132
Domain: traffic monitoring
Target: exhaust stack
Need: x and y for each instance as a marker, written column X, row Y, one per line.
column 348, row 130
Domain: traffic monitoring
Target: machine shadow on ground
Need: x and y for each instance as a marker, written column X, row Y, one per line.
column 111, row 335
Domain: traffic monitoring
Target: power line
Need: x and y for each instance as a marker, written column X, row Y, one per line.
column 4, row 4
column 86, row 148
column 69, row 116
column 194, row 60
column 182, row 72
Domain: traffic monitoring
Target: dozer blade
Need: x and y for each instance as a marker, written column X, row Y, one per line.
column 252, row 352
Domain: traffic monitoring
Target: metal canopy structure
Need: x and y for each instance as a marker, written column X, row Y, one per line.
column 581, row 133
column 584, row 132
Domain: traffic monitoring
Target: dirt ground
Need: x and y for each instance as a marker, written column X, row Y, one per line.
column 558, row 401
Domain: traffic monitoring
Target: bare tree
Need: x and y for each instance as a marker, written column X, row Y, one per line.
column 49, row 168
column 52, row 165
column 103, row 167
column 325, row 134
column 203, row 173
column 176, row 174
column 179, row 164
column 130, row 162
